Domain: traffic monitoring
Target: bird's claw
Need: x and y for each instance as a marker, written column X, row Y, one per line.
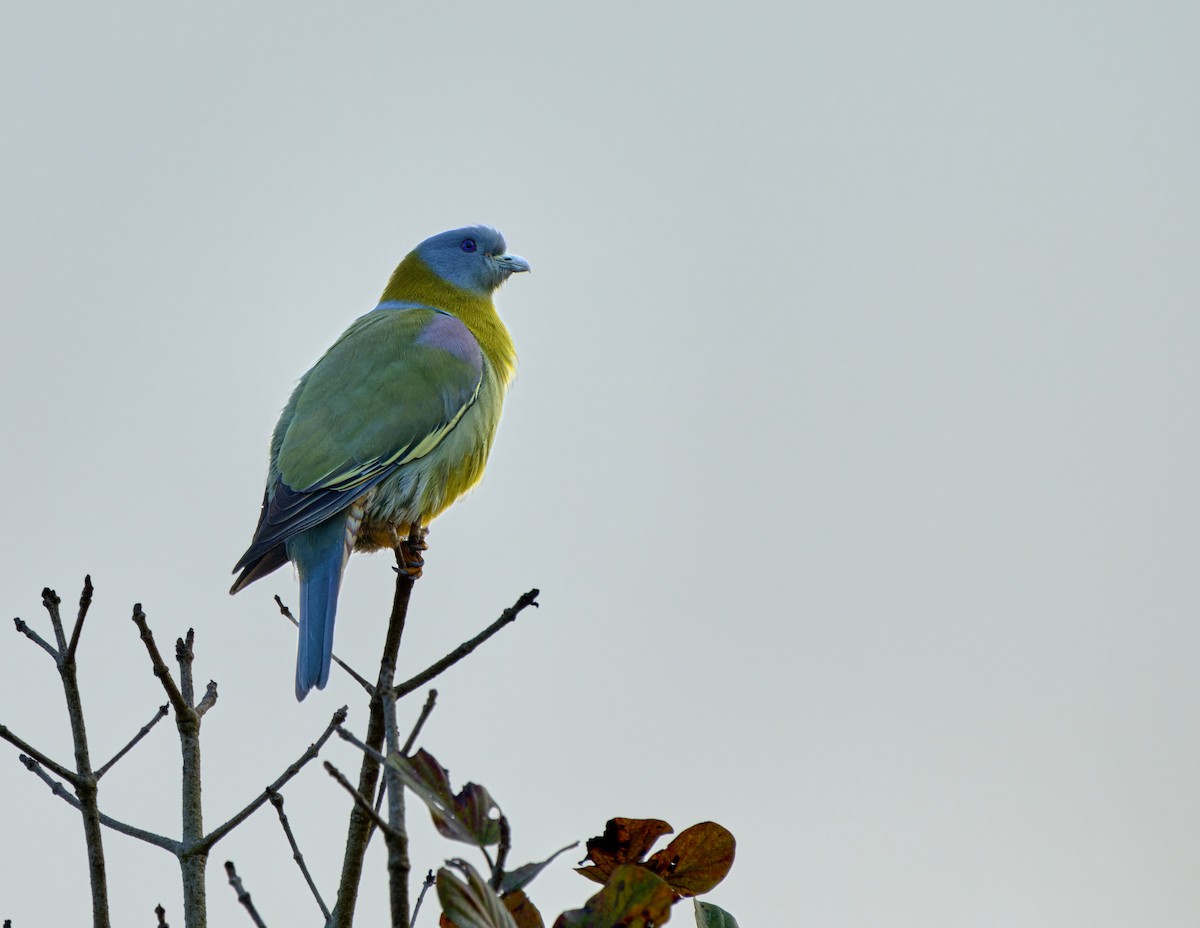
column 411, row 564
column 408, row 553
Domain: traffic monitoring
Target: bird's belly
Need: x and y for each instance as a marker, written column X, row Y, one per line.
column 423, row 488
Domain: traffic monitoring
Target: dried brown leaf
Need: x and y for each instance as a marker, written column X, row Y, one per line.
column 697, row 860
column 625, row 841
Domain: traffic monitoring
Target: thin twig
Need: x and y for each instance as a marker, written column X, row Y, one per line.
column 354, row 674
column 359, row 799
column 426, row 710
column 313, row 750
column 242, row 895
column 425, row 885
column 145, row 730
column 51, row 603
column 36, row 638
column 346, row 735
column 107, row 820
column 506, row 617
column 178, row 703
column 209, row 700
column 85, row 600
column 22, row 745
column 276, row 800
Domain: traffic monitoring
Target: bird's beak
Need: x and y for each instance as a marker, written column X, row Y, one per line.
column 511, row 264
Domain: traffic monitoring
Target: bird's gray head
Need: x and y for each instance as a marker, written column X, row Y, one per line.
column 473, row 258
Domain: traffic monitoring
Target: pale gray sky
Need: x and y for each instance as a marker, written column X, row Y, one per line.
column 854, row 446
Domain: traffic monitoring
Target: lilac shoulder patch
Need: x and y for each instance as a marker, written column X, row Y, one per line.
column 450, row 334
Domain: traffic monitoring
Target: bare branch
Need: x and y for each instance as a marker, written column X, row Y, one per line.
column 508, row 616
column 359, row 829
column 51, row 602
column 429, row 880
column 276, row 800
column 193, row 861
column 161, row 671
column 209, row 700
column 426, row 711
column 142, row 732
column 242, row 896
column 60, row 791
column 36, row 639
column 85, row 601
column 354, row 674
column 398, row 863
column 346, row 735
column 185, row 656
column 359, row 799
column 314, row 749
column 20, row 744
column 83, row 781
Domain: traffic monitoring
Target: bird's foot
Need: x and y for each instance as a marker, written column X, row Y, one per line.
column 408, row 553
column 416, row 538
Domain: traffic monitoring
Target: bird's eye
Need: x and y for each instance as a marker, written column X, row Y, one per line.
column 468, row 245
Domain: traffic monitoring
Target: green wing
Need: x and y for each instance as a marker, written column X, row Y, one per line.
column 387, row 392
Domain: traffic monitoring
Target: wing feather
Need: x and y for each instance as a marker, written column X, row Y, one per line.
column 388, row 392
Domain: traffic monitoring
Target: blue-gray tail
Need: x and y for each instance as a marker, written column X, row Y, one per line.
column 320, row 556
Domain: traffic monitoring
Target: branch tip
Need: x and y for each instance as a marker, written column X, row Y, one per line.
column 276, row 799
column 242, row 895
column 435, row 669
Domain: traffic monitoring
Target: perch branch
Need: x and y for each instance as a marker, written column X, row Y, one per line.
column 358, row 831
column 398, row 863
